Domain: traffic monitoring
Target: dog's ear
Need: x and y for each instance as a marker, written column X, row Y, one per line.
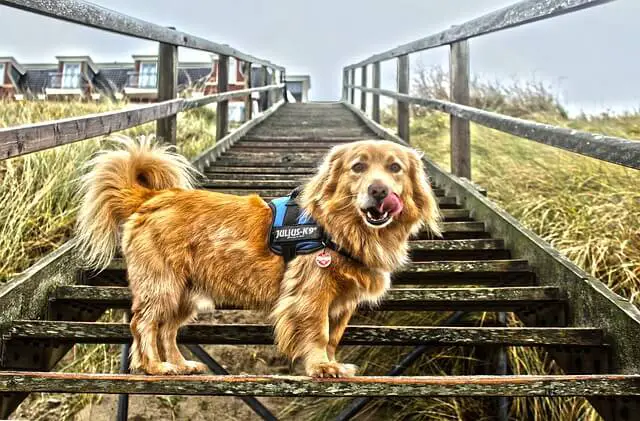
column 422, row 194
column 324, row 183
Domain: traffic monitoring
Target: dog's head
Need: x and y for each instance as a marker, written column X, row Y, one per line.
column 378, row 185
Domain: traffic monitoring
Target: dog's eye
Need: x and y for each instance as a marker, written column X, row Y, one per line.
column 395, row 167
column 359, row 167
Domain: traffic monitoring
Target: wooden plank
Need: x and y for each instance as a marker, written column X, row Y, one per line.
column 404, row 81
column 606, row 148
column 426, row 299
column 460, row 130
column 206, row 158
column 352, row 94
column 401, row 386
column 261, row 334
column 209, row 99
column 28, row 138
column 363, row 94
column 375, row 106
column 345, row 82
column 457, row 245
column 166, row 128
column 222, row 111
column 521, row 13
column 92, row 15
column 471, row 266
column 248, row 102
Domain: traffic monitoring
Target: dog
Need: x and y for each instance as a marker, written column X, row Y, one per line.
column 183, row 245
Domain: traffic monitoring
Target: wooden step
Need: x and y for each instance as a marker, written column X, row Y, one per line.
column 255, row 334
column 247, row 144
column 217, row 168
column 414, row 299
column 458, row 249
column 602, row 385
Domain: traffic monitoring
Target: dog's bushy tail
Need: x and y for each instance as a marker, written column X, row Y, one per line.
column 118, row 183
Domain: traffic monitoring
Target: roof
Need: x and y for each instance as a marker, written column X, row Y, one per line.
column 87, row 59
column 299, row 78
column 13, row 61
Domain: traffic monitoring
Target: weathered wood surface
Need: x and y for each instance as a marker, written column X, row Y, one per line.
column 254, row 334
column 401, row 386
column 471, row 266
column 206, row 158
column 375, row 100
column 606, row 148
column 363, row 94
column 427, row 299
column 404, row 84
column 286, row 145
column 460, row 131
column 256, row 137
column 521, row 13
column 24, row 139
column 167, row 128
column 248, row 101
column 453, row 245
column 222, row 109
column 224, row 96
column 88, row 14
column 592, row 303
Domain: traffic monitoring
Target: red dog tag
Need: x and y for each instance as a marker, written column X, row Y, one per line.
column 323, row 259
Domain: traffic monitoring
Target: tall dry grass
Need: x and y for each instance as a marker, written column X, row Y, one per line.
column 37, row 203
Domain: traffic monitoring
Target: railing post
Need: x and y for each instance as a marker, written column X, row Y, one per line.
column 352, row 91
column 166, row 128
column 363, row 94
column 460, row 133
column 264, row 102
column 345, row 83
column 403, row 88
column 222, row 124
column 283, row 80
column 375, row 103
column 248, row 102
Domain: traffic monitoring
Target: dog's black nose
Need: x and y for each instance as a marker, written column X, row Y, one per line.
column 378, row 191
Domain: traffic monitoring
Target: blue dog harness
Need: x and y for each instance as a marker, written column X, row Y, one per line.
column 293, row 232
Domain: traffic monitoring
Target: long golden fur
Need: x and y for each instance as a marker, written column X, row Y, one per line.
column 182, row 245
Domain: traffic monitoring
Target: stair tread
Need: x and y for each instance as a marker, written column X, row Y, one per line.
column 261, row 334
column 265, row 385
column 396, row 298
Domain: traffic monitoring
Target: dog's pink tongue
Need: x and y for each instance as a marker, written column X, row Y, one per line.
column 391, row 204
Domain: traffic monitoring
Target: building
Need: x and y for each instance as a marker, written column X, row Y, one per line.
column 79, row 77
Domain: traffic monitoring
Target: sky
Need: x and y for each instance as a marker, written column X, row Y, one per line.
column 589, row 58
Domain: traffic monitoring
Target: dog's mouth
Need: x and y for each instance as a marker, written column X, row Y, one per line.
column 382, row 215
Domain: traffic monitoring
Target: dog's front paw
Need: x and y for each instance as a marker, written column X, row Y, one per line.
column 161, row 369
column 331, row 369
column 193, row 367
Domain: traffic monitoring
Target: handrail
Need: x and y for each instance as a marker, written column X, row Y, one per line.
column 518, row 14
column 605, row 148
column 24, row 139
column 88, row 14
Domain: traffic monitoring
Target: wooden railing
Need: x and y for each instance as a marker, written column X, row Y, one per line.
column 606, row 148
column 20, row 140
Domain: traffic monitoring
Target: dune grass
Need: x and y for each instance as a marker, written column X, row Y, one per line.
column 37, row 190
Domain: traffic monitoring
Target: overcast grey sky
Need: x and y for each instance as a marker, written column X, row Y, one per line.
column 590, row 57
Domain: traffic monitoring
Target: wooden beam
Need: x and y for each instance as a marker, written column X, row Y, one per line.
column 248, row 102
column 616, row 150
column 460, row 133
column 363, row 94
column 352, row 93
column 28, row 138
column 345, row 82
column 375, row 106
column 92, row 15
column 209, row 99
column 246, row 385
column 261, row 334
column 403, row 107
column 518, row 14
column 166, row 128
column 265, row 103
column 222, row 125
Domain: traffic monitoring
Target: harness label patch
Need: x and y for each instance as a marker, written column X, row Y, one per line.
column 296, row 233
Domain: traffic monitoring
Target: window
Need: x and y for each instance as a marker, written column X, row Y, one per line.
column 2, row 73
column 148, row 75
column 233, row 70
column 71, row 75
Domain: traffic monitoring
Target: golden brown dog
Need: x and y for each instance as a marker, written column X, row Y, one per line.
column 182, row 245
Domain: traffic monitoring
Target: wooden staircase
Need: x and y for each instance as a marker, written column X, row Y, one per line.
column 468, row 271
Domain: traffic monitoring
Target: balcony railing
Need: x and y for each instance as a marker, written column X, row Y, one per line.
column 142, row 80
column 65, row 81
